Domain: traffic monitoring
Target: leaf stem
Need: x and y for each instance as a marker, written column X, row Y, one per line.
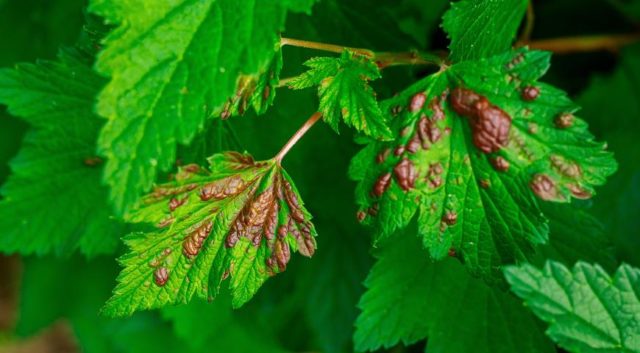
column 530, row 21
column 568, row 45
column 297, row 136
column 383, row 59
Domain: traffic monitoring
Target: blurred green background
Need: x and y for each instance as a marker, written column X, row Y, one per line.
column 51, row 304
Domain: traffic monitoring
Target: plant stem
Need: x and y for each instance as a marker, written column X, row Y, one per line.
column 297, row 136
column 530, row 20
column 383, row 60
column 584, row 44
column 334, row 48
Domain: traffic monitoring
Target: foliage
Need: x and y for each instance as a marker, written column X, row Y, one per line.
column 588, row 310
column 472, row 175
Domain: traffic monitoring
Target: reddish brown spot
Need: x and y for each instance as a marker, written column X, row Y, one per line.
column 398, row 151
column 405, row 173
column 433, row 175
column 450, row 218
column 500, row 164
column 221, row 189
column 373, row 210
column 92, row 161
column 382, row 184
column 382, row 156
column 565, row 167
column 436, row 106
column 530, row 93
column 266, row 93
column 490, row 124
column 361, row 215
column 545, row 188
column 175, row 203
column 161, row 276
column 165, row 222
column 414, row 143
column 452, row 252
column 564, row 120
column 193, row 242
column 405, row 131
column 579, row 192
column 417, row 102
column 485, row 183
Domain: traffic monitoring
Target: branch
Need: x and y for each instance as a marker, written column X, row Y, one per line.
column 584, row 44
column 297, row 136
column 383, row 60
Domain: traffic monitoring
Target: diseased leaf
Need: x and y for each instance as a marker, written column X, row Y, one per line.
column 242, row 219
column 588, row 311
column 410, row 298
column 480, row 28
column 474, row 144
column 172, row 65
column 345, row 93
column 54, row 201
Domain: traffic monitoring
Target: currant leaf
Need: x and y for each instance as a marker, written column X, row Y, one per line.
column 474, row 146
column 588, row 311
column 344, row 91
column 54, row 201
column 172, row 66
column 410, row 298
column 242, row 219
column 480, row 29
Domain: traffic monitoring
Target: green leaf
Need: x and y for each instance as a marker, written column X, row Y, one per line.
column 172, row 66
column 240, row 220
column 410, row 298
column 469, row 155
column 344, row 91
column 479, row 29
column 588, row 311
column 53, row 201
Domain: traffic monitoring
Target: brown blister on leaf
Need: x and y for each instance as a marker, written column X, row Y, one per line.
column 490, row 124
column 250, row 222
column 417, row 102
column 193, row 242
column 545, row 188
column 530, row 93
column 564, row 120
column 223, row 188
column 161, row 276
column 382, row 184
column 500, row 163
column 406, row 174
column 450, row 218
column 565, row 167
column 579, row 192
column 382, row 156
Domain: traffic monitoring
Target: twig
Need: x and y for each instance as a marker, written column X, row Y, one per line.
column 297, row 136
column 530, row 21
column 383, row 60
column 584, row 44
